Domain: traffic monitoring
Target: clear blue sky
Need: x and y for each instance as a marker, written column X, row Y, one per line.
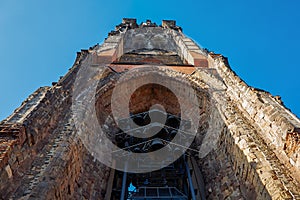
column 39, row 39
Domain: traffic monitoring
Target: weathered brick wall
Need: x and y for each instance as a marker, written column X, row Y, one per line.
column 258, row 135
column 242, row 165
column 218, row 171
column 16, row 145
column 41, row 156
column 35, row 120
column 261, row 108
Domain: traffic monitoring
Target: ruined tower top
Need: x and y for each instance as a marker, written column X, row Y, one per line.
column 131, row 23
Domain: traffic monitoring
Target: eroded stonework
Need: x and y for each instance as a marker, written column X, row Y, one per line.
column 246, row 145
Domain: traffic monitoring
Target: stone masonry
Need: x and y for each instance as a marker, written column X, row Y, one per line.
column 247, row 145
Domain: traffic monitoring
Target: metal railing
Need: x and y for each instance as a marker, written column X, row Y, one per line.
column 170, row 193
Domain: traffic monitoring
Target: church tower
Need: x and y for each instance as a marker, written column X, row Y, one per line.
column 149, row 114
